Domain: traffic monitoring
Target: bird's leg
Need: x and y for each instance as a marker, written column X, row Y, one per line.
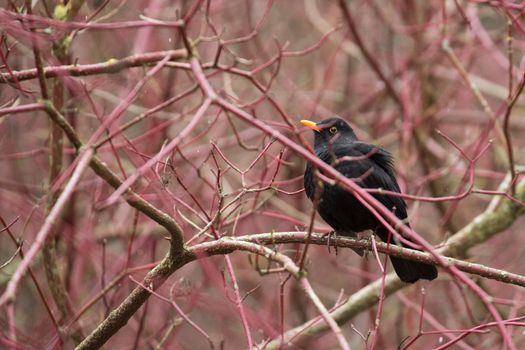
column 330, row 234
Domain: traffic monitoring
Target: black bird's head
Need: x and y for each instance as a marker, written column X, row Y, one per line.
column 331, row 131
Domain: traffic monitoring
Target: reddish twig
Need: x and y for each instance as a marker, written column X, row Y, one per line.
column 10, row 292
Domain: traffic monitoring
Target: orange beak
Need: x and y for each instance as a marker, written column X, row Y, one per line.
column 311, row 125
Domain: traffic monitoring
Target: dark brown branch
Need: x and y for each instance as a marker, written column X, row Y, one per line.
column 392, row 250
column 176, row 256
column 130, row 196
column 119, row 317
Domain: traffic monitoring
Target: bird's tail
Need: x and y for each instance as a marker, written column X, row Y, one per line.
column 411, row 271
column 407, row 270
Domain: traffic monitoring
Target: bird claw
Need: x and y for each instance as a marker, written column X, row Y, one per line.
column 366, row 237
column 329, row 235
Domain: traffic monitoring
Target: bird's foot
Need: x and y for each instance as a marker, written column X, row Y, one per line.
column 366, row 236
column 328, row 237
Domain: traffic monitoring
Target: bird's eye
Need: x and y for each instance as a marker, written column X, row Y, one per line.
column 332, row 130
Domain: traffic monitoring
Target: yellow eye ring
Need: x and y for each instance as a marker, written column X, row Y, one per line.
column 332, row 130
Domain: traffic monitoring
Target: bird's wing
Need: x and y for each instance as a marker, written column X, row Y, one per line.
column 381, row 157
column 309, row 181
column 374, row 168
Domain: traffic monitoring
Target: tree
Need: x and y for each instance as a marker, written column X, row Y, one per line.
column 152, row 160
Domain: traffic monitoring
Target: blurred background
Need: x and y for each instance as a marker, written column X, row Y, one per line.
column 431, row 81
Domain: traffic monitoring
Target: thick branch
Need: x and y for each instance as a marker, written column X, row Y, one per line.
column 392, row 250
column 359, row 301
column 120, row 316
column 133, row 199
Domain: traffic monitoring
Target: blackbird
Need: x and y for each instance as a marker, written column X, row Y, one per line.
column 370, row 166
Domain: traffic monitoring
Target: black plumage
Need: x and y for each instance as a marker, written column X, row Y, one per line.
column 371, row 167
